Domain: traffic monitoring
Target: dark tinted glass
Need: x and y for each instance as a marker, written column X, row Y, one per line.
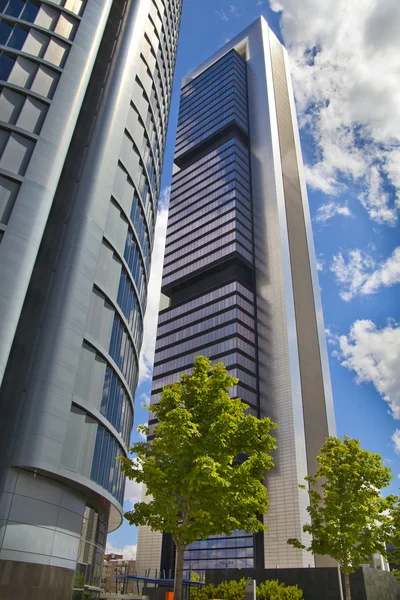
column 6, row 64
column 17, row 38
column 5, row 30
column 3, row 4
column 30, row 11
column 14, row 7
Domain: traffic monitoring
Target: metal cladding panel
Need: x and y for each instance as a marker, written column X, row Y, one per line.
column 44, row 161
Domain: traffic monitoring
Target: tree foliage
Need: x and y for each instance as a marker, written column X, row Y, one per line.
column 349, row 517
column 235, row 590
column 205, row 467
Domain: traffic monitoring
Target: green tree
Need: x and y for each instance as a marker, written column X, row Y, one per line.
column 205, row 467
column 349, row 517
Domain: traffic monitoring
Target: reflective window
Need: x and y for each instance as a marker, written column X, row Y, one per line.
column 6, row 65
column 17, row 38
column 5, row 31
column 14, row 7
column 30, row 11
column 122, row 351
column 106, row 469
column 116, row 405
column 128, row 303
column 134, row 261
column 91, row 551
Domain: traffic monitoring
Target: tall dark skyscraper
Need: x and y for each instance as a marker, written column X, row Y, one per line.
column 240, row 283
column 84, row 101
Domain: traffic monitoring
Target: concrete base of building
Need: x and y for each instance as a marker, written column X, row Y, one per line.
column 29, row 581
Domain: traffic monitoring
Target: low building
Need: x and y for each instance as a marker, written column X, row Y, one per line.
column 114, row 564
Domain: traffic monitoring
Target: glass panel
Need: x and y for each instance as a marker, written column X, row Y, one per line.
column 14, row 8
column 30, row 11
column 17, row 38
column 5, row 30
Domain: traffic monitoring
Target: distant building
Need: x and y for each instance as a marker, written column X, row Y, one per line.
column 85, row 91
column 113, row 565
column 240, row 284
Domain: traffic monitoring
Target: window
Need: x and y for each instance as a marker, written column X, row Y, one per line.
column 106, row 469
column 6, row 65
column 29, row 12
column 17, row 37
column 116, row 406
column 5, row 31
column 14, row 7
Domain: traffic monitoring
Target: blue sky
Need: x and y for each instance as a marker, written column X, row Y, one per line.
column 345, row 69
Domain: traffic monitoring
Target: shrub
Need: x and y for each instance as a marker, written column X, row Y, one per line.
column 235, row 590
column 274, row 590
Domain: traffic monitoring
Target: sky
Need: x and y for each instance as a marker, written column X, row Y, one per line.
column 345, row 66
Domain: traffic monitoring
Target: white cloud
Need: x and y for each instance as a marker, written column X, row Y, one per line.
column 235, row 11
column 396, row 441
column 222, row 15
column 331, row 338
column 133, row 493
column 360, row 274
column 145, row 398
column 374, row 356
column 141, row 434
column 153, row 296
column 331, row 209
column 128, row 552
column 346, row 68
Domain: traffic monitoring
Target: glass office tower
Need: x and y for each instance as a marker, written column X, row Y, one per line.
column 85, row 88
column 240, row 283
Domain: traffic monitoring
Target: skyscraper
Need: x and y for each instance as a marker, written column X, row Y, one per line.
column 84, row 103
column 240, row 282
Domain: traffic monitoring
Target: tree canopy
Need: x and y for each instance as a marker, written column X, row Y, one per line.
column 204, row 468
column 349, row 517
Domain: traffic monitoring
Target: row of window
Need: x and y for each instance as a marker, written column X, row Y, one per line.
column 217, row 181
column 208, row 163
column 211, row 246
column 116, row 405
column 224, row 293
column 217, row 173
column 211, row 94
column 211, row 158
column 218, row 72
column 123, row 352
column 234, row 330
column 233, row 563
column 214, row 191
column 219, row 203
column 216, row 106
column 165, row 374
column 134, row 262
column 205, row 243
column 215, row 321
column 206, row 261
column 128, row 303
column 216, row 223
column 106, row 469
column 201, row 312
column 202, row 126
column 222, row 214
column 214, row 103
column 233, row 116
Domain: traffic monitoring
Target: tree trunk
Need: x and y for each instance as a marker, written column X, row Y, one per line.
column 178, row 586
column 347, row 586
